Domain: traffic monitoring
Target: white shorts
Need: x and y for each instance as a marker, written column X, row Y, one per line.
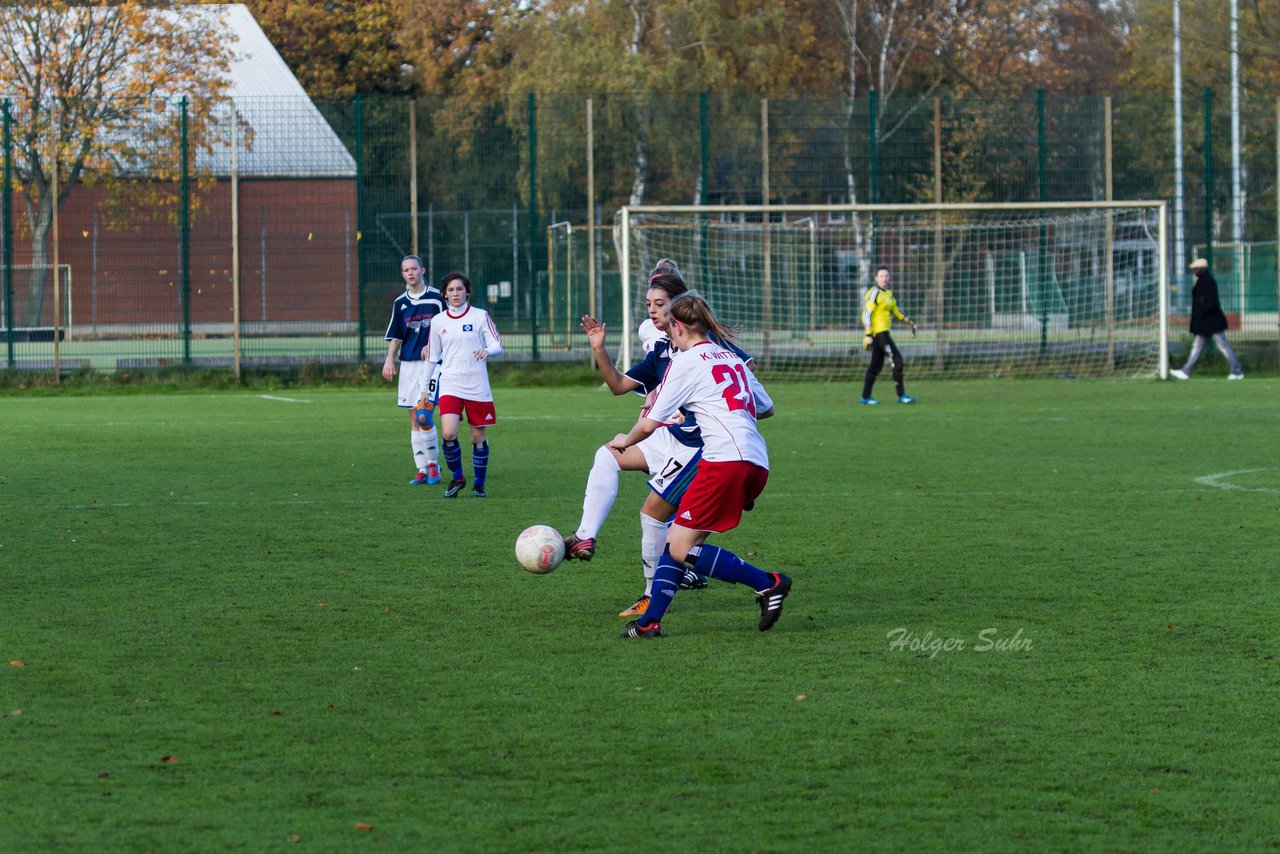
column 411, row 376
column 671, row 464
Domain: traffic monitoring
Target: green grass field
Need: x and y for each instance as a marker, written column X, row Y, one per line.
column 226, row 622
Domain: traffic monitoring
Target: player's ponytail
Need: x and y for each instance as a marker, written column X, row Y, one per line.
column 664, row 265
column 692, row 310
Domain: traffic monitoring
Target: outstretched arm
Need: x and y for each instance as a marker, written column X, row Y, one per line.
column 644, row 429
column 618, row 382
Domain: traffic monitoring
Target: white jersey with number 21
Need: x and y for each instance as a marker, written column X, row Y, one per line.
column 717, row 385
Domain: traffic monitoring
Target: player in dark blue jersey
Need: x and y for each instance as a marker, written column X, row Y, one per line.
column 670, row 456
column 408, row 334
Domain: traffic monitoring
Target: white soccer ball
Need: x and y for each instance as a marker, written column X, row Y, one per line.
column 540, row 549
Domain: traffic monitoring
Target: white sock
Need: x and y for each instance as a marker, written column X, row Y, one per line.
column 430, row 445
column 653, row 538
column 602, row 489
column 419, row 443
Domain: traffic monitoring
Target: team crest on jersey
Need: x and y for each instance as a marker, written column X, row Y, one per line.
column 467, row 327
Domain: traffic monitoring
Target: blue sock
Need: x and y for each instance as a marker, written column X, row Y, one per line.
column 453, row 458
column 480, row 462
column 727, row 566
column 666, row 581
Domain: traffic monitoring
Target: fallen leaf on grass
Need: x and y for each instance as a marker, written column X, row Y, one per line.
column 16, row 662
column 169, row 760
column 295, row 838
column 360, row 825
column 801, row 697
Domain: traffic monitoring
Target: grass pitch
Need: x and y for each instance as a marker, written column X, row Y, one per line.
column 1025, row 613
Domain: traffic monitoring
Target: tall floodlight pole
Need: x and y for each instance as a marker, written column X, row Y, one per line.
column 1179, row 249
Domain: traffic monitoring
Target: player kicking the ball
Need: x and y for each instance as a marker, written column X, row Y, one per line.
column 669, row 455
column 713, row 382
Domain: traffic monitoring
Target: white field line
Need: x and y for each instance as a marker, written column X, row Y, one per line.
column 282, row 399
column 1219, row 481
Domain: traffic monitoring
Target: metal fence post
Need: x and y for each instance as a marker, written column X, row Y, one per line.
column 359, row 129
column 1208, row 176
column 185, row 234
column 704, row 198
column 873, row 126
column 7, row 235
column 533, row 222
column 1042, row 170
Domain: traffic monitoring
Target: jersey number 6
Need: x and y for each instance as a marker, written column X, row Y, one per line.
column 737, row 394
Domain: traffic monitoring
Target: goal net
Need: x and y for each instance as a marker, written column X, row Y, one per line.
column 1039, row 289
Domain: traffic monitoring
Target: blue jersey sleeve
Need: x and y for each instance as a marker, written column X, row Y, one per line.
column 396, row 328
column 650, row 371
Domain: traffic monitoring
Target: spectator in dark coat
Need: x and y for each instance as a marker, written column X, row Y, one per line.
column 1207, row 321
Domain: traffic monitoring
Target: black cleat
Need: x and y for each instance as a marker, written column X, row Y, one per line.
column 635, row 630
column 579, row 548
column 478, row 490
column 455, row 486
column 771, row 600
column 692, row 580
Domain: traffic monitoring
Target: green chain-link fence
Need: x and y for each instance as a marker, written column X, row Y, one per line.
column 277, row 238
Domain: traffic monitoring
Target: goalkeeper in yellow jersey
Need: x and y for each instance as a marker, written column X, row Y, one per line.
column 877, row 317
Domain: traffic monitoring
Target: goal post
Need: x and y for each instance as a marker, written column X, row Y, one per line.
column 1013, row 289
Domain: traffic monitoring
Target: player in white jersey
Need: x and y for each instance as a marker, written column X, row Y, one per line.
column 715, row 383
column 463, row 338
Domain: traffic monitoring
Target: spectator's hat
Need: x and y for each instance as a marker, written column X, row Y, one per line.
column 1199, row 264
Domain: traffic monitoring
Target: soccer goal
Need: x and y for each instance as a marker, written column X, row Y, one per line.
column 1028, row 289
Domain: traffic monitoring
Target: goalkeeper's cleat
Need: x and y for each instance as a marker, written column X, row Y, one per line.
column 691, row 580
column 635, row 630
column 636, row 610
column 771, row 600
column 579, row 548
column 869, row 401
column 421, row 479
column 455, row 486
column 478, row 491
column 1235, row 376
column 906, row 398
column 1179, row 374
column 433, row 473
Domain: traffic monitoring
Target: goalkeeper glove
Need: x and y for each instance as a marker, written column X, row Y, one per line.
column 866, row 341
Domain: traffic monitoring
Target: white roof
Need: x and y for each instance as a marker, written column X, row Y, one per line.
column 281, row 133
column 289, row 136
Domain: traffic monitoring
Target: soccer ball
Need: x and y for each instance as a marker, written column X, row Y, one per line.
column 540, row 549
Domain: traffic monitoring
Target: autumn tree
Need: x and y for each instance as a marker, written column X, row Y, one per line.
column 94, row 85
column 460, row 46
column 339, row 48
